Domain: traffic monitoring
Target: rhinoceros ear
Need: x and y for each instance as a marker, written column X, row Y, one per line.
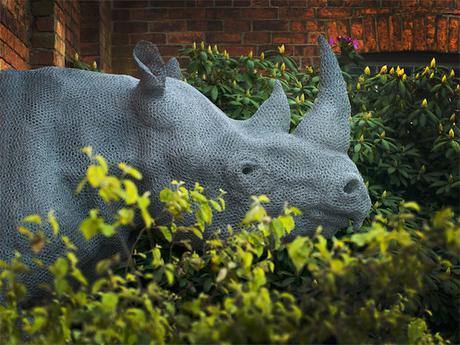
column 274, row 114
column 173, row 69
column 151, row 67
column 327, row 121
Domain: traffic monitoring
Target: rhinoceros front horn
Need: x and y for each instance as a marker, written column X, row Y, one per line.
column 274, row 114
column 152, row 70
column 327, row 121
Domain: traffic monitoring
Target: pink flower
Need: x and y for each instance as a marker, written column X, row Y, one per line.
column 355, row 44
column 331, row 41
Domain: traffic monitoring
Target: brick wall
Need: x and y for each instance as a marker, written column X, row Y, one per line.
column 240, row 26
column 96, row 33
column 14, row 23
column 36, row 33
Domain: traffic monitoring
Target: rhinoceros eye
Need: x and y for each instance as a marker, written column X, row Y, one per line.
column 247, row 169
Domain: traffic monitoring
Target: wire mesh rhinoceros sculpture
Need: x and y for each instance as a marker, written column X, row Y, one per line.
column 168, row 130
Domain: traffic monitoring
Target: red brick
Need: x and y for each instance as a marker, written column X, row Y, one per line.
column 185, row 37
column 407, row 33
column 343, row 27
column 430, row 32
column 187, row 13
column 130, row 4
column 270, row 25
column 168, row 26
column 223, row 3
column 241, row 3
column 357, row 28
column 453, row 35
column 222, row 13
column 370, row 42
column 257, row 37
column 296, row 13
column 297, row 26
column 205, row 25
column 90, row 48
column 238, row 50
column 426, row 3
column 334, row 12
column 234, row 25
column 157, row 38
column 331, row 29
column 444, row 4
column 420, row 33
column 130, row 27
column 391, row 3
column 289, row 37
column 371, row 11
column 259, row 13
column 148, row 14
column 214, row 37
column 335, row 3
column 43, row 40
column 383, row 33
column 260, row 3
column 409, row 3
column 311, row 25
column 396, row 33
column 44, row 23
column 441, row 34
column 313, row 37
column 317, row 3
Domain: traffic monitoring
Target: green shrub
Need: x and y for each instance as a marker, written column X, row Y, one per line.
column 391, row 284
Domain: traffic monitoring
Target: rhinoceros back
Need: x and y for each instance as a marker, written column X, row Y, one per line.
column 46, row 117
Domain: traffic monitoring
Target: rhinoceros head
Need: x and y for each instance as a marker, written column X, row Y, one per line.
column 308, row 168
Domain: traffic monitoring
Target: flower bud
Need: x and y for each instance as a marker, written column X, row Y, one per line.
column 426, row 70
column 358, row 86
column 384, row 194
column 450, row 179
column 367, row 71
column 281, row 49
column 234, row 83
column 251, row 54
column 209, row 50
column 204, row 76
column 423, row 168
column 302, row 98
column 297, row 99
column 424, row 103
column 202, row 45
column 440, row 128
column 417, row 76
column 451, row 133
column 248, row 93
column 76, row 57
column 94, row 65
column 433, row 63
column 384, row 69
column 262, row 56
column 452, row 118
column 194, row 45
column 361, row 138
column 392, row 71
column 431, row 75
column 382, row 135
column 283, row 67
column 452, row 73
column 215, row 49
column 443, row 79
column 404, row 77
column 457, row 88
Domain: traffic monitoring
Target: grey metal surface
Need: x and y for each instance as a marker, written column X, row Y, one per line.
column 168, row 130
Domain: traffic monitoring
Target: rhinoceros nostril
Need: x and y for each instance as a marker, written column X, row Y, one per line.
column 351, row 186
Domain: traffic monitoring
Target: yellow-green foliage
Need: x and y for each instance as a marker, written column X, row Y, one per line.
column 391, row 284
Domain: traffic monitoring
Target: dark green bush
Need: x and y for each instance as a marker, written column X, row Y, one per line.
column 395, row 281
